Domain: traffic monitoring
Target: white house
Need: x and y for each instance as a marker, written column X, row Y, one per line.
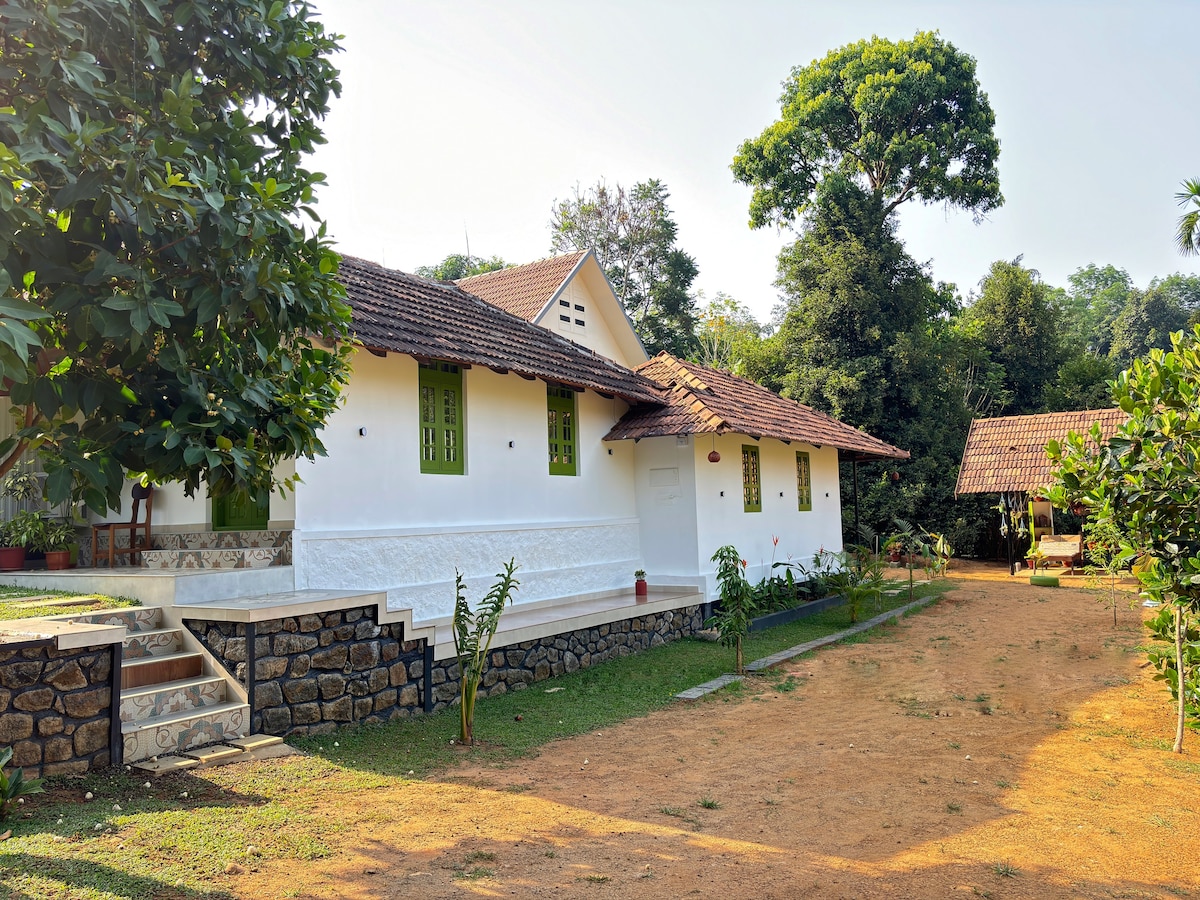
column 529, row 424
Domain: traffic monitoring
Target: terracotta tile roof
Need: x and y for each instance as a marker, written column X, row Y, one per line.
column 1009, row 453
column 403, row 313
column 523, row 290
column 701, row 400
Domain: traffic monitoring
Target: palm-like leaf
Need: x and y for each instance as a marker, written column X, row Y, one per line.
column 1189, row 223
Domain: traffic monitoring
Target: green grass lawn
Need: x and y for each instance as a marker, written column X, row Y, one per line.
column 13, row 602
column 174, row 837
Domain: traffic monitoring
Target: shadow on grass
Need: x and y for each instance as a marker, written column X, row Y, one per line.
column 84, row 875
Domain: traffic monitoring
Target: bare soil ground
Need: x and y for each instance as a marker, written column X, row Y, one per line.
column 1008, row 742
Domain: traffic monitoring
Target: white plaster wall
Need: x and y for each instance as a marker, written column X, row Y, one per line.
column 417, row 568
column 367, row 517
column 666, row 503
column 722, row 520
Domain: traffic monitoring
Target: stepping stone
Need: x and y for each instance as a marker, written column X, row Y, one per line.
column 708, row 687
column 207, row 756
column 164, row 765
column 252, row 742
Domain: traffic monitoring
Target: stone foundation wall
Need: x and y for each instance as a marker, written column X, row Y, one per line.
column 517, row 666
column 314, row 673
column 56, row 707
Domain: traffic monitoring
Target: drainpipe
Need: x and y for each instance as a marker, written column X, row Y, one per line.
column 427, row 699
column 251, row 664
column 116, row 741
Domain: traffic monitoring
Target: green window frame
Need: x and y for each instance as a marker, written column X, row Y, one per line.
column 440, row 398
column 751, row 480
column 803, row 481
column 562, row 430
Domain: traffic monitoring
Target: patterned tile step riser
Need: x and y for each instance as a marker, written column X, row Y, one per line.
column 139, row 645
column 143, row 743
column 222, row 540
column 245, row 558
column 142, row 706
column 139, row 618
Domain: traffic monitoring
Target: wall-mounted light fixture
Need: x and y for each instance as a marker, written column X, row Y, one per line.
column 362, row 432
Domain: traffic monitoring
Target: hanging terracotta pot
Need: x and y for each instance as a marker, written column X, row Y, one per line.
column 1079, row 509
column 714, row 457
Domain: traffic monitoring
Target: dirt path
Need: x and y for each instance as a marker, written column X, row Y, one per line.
column 1005, row 743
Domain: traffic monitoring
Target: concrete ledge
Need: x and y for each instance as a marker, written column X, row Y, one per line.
column 709, row 687
column 160, row 587
column 533, row 621
column 65, row 635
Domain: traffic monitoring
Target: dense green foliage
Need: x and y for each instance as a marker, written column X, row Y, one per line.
column 151, row 189
column 732, row 616
column 461, row 265
column 1143, row 480
column 905, row 120
column 633, row 235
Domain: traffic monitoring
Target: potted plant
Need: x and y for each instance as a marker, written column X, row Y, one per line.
column 22, row 485
column 21, row 533
column 640, row 589
column 55, row 541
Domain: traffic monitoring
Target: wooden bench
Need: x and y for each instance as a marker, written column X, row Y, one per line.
column 1065, row 549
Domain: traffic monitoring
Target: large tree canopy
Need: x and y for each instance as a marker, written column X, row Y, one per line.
column 907, row 120
column 150, row 153
column 633, row 235
column 461, row 265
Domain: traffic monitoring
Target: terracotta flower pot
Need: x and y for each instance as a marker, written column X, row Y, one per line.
column 58, row 559
column 12, row 559
column 640, row 588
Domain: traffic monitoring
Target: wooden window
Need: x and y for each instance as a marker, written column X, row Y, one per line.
column 443, row 449
column 562, row 430
column 803, row 481
column 751, row 480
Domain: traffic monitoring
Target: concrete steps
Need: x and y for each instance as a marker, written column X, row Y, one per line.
column 173, row 715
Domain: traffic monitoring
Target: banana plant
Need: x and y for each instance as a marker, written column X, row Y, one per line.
column 473, row 633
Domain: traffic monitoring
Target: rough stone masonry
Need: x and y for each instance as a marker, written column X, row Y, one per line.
column 56, row 707
column 313, row 673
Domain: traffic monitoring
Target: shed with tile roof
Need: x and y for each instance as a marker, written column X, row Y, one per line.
column 1008, row 453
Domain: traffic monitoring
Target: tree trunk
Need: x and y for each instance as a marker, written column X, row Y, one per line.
column 1179, row 673
column 740, row 665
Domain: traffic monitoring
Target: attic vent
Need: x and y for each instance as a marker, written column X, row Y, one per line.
column 579, row 308
column 580, row 323
column 566, row 319
column 566, row 303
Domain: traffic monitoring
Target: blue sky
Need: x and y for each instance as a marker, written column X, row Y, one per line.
column 471, row 118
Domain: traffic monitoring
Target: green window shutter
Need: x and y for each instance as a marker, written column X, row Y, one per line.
column 751, row 480
column 562, row 430
column 803, row 481
column 443, row 450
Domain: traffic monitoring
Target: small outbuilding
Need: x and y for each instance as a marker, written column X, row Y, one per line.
column 1007, row 456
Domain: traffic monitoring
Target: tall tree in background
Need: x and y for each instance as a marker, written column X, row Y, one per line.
column 150, row 154
column 865, row 336
column 1016, row 319
column 461, row 265
column 724, row 329
column 633, row 235
column 906, row 120
column 1147, row 322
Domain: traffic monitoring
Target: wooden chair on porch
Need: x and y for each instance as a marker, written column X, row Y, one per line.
column 139, row 531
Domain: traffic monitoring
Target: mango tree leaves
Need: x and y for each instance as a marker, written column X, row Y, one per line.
column 148, row 234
